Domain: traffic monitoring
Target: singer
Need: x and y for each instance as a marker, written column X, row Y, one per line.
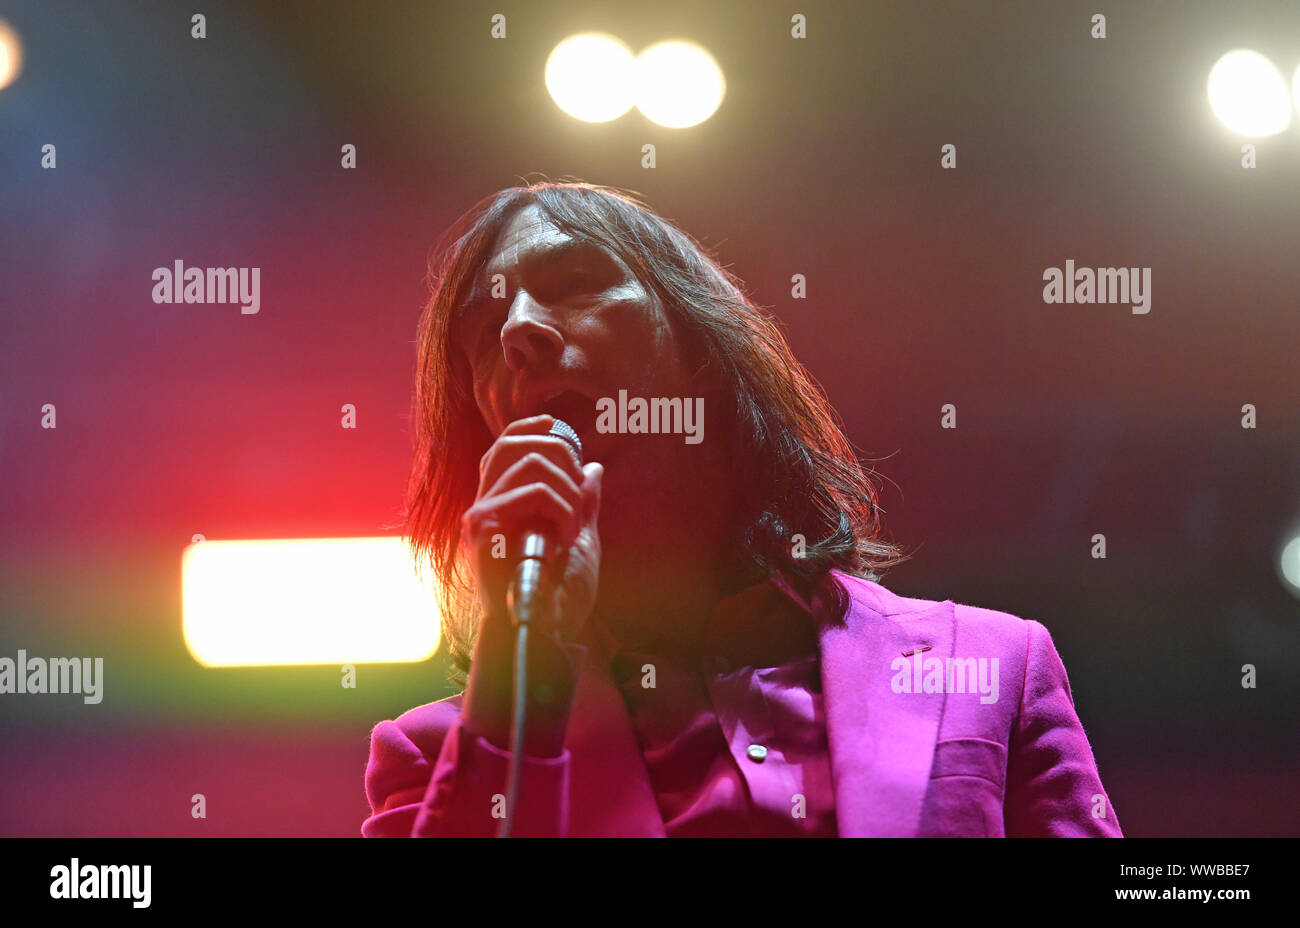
column 720, row 657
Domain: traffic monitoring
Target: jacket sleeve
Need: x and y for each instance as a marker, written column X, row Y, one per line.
column 431, row 774
column 1053, row 787
column 455, row 787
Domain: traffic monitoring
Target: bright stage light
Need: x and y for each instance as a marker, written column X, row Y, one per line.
column 590, row 76
column 1249, row 94
column 1291, row 564
column 1295, row 87
column 306, row 601
column 678, row 84
column 11, row 55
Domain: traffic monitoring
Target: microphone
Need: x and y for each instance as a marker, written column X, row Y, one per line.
column 525, row 600
column 537, row 549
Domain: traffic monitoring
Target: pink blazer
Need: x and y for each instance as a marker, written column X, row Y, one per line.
column 904, row 764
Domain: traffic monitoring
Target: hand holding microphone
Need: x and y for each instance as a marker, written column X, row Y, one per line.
column 531, row 483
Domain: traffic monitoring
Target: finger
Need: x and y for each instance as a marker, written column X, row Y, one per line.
column 507, row 450
column 593, row 482
column 533, row 425
column 536, row 501
column 537, row 468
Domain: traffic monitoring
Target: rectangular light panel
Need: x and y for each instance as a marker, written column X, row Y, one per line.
column 306, row 601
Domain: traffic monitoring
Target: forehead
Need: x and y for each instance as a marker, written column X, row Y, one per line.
column 527, row 234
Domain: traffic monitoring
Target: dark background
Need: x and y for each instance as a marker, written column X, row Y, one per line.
column 925, row 288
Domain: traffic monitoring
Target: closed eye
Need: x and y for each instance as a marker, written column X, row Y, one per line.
column 581, row 282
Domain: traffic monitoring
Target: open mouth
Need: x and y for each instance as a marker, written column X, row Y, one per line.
column 578, row 411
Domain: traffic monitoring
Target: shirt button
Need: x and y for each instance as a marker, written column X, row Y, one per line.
column 756, row 753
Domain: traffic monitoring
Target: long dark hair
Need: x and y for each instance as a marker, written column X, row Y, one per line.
column 797, row 471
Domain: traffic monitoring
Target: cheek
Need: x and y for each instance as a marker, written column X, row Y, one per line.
column 672, row 348
column 656, row 352
column 486, row 396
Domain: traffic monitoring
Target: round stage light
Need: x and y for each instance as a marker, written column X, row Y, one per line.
column 590, row 76
column 11, row 55
column 1295, row 87
column 1249, row 94
column 679, row 84
column 1290, row 564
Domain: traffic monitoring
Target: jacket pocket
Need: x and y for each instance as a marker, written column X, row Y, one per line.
column 965, row 795
column 970, row 757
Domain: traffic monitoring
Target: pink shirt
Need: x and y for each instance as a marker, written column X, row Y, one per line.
column 734, row 735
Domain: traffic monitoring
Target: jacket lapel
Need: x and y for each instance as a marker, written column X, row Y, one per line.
column 881, row 743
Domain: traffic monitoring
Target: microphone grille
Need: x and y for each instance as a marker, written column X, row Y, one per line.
column 562, row 429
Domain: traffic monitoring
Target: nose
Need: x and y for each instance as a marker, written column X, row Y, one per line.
column 529, row 337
